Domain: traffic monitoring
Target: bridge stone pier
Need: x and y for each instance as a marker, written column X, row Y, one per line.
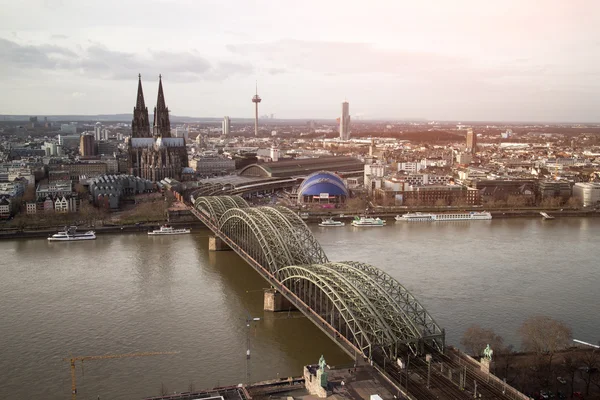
column 275, row 301
column 215, row 243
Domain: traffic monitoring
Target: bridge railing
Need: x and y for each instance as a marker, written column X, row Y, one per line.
column 475, row 367
column 321, row 323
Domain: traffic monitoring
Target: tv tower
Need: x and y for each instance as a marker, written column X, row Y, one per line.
column 256, row 99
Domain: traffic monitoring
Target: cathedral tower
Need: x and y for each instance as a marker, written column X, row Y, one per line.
column 140, row 125
column 162, row 125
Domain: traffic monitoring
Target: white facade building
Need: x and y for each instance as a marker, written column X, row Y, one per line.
column 411, row 167
column 226, row 126
column 98, row 132
column 587, row 192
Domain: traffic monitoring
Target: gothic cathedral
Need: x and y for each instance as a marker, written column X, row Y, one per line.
column 153, row 153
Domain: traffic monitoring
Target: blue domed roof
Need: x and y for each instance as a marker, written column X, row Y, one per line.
column 323, row 182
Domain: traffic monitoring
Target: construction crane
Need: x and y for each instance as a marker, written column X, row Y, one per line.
column 72, row 360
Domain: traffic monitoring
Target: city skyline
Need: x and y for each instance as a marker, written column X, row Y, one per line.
column 466, row 61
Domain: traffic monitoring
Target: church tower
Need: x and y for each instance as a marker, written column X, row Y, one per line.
column 162, row 125
column 140, row 125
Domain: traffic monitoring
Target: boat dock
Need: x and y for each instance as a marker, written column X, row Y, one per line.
column 546, row 215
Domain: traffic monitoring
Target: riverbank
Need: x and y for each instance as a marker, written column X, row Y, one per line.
column 497, row 214
column 8, row 234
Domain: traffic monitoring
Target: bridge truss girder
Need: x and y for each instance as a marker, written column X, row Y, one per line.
column 273, row 236
column 362, row 303
column 354, row 299
column 215, row 206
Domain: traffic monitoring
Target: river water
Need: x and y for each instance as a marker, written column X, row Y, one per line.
column 132, row 293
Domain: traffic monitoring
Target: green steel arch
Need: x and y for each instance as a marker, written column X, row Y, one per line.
column 273, row 236
column 215, row 206
column 365, row 305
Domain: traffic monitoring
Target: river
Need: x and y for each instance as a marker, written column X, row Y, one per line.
column 132, row 293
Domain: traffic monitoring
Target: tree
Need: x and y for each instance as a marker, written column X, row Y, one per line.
column 590, row 360
column 356, row 203
column 476, row 338
column 545, row 336
column 516, row 201
column 571, row 366
column 29, row 194
column 441, row 203
column 574, row 202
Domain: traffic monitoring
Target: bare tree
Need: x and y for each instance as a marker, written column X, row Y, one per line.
column 476, row 338
column 571, row 366
column 590, row 361
column 545, row 336
column 574, row 202
column 505, row 358
column 441, row 203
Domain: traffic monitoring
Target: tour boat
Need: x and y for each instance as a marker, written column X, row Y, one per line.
column 331, row 222
column 169, row 230
column 465, row 216
column 70, row 234
column 364, row 221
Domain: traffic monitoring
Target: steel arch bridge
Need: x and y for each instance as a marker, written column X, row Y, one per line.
column 357, row 304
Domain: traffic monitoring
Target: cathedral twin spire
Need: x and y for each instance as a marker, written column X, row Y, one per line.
column 140, row 125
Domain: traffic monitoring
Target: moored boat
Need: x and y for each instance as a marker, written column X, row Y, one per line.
column 330, row 222
column 169, row 230
column 69, row 234
column 365, row 221
column 464, row 216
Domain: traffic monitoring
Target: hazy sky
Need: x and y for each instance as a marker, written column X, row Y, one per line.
column 531, row 60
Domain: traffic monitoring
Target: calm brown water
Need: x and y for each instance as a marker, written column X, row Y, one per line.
column 131, row 293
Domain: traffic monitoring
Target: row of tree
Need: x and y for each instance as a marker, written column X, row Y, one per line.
column 547, row 353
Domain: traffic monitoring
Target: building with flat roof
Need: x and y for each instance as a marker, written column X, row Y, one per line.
column 87, row 145
column 588, row 193
column 343, row 166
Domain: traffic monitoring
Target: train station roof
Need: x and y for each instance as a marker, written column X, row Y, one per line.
column 303, row 167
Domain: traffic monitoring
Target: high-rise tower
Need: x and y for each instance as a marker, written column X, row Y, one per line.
column 226, row 126
column 471, row 141
column 345, row 121
column 162, row 125
column 256, row 99
column 140, row 124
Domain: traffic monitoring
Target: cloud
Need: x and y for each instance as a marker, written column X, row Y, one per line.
column 276, row 71
column 347, row 58
column 58, row 36
column 98, row 61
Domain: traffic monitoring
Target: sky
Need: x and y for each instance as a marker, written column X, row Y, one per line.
column 460, row 60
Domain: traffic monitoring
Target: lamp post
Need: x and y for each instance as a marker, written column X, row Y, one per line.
column 249, row 319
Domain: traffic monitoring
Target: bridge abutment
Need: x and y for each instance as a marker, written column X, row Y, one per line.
column 216, row 244
column 275, row 301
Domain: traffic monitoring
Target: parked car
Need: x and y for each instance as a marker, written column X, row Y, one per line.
column 561, row 379
column 577, row 395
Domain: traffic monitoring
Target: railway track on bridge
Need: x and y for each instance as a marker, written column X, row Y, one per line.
column 366, row 312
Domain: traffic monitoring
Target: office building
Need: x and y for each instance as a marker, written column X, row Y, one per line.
column 471, row 141
column 345, row 121
column 588, row 193
column 98, row 132
column 226, row 126
column 87, row 146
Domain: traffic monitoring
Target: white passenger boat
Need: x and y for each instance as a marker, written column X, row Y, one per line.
column 331, row 222
column 169, row 230
column 364, row 221
column 70, row 235
column 465, row 216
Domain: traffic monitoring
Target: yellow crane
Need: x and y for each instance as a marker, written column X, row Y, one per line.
column 72, row 360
